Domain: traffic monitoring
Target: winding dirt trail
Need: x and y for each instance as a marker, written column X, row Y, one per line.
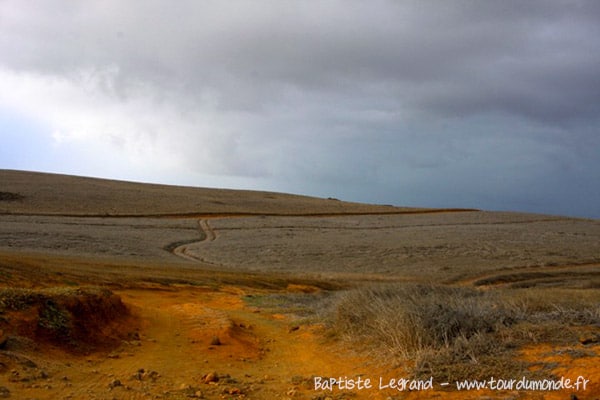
column 208, row 235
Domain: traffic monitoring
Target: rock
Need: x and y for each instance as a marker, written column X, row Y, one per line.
column 215, row 341
column 233, row 391
column 115, row 383
column 293, row 328
column 212, row 377
column 589, row 338
column 152, row 375
column 4, row 392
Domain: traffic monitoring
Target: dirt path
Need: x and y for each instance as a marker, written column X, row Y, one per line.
column 208, row 235
column 187, row 333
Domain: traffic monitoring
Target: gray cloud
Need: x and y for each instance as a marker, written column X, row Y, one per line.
column 470, row 103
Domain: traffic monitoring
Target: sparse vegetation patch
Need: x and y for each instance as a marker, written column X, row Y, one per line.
column 9, row 196
column 459, row 332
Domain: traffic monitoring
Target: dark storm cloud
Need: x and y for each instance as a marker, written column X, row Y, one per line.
column 461, row 101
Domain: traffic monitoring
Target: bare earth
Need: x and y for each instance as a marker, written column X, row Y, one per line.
column 207, row 276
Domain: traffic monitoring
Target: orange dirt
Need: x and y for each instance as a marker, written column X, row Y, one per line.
column 258, row 355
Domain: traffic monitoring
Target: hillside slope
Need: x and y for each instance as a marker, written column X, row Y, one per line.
column 36, row 193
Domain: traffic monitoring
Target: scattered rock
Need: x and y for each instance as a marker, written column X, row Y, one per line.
column 152, row 375
column 233, row 391
column 212, row 377
column 215, row 341
column 293, row 328
column 4, row 392
column 115, row 383
column 589, row 338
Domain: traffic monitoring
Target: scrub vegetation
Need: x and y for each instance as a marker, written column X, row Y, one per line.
column 454, row 333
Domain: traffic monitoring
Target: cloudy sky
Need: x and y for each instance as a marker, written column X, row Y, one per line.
column 484, row 104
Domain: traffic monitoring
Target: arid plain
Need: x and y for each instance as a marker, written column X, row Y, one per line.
column 118, row 290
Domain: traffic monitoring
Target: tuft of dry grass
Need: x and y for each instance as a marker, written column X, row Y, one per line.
column 459, row 332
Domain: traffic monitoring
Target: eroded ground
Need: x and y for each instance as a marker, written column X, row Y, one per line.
column 172, row 351
column 229, row 305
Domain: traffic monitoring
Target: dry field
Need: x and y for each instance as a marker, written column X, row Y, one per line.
column 134, row 291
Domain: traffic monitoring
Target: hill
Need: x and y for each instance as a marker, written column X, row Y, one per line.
column 36, row 193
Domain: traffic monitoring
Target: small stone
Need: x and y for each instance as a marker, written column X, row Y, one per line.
column 152, row 375
column 115, row 383
column 212, row 377
column 234, row 391
column 4, row 392
column 215, row 341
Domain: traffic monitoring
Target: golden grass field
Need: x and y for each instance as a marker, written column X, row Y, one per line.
column 118, row 290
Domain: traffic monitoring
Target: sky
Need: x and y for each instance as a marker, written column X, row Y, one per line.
column 476, row 104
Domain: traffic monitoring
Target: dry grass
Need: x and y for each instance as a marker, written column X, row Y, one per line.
column 458, row 332
column 52, row 194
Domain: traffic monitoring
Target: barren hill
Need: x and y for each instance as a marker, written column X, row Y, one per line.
column 36, row 193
